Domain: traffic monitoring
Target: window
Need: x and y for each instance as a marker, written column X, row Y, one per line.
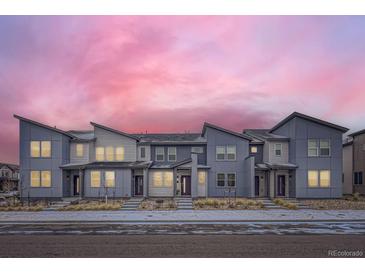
column 160, row 154
column 312, row 148
column 109, row 153
column 95, row 178
column 171, row 152
column 143, row 152
column 40, row 178
column 46, row 149
column 254, row 149
column 231, row 179
column 35, row 179
column 119, row 153
column 99, row 154
column 197, row 149
column 231, row 152
column 46, row 178
column 220, row 179
column 109, row 178
column 168, row 178
column 324, row 178
column 35, row 149
column 157, row 179
column 358, row 178
column 220, row 152
column 312, row 178
column 278, row 148
column 202, row 177
column 324, row 148
column 79, row 150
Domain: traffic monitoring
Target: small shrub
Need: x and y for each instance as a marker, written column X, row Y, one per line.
column 356, row 196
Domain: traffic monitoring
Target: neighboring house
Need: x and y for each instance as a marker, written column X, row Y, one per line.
column 299, row 157
column 9, row 177
column 354, row 163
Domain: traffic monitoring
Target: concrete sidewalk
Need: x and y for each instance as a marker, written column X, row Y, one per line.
column 184, row 216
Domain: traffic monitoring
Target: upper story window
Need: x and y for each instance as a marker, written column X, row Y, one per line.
column 99, row 154
column 319, row 147
column 79, row 150
column 278, row 148
column 254, row 149
column 171, row 152
column 142, row 151
column 197, row 149
column 119, row 153
column 109, row 153
column 160, row 154
column 40, row 149
column 226, row 153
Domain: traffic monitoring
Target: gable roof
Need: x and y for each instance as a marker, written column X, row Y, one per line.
column 114, row 131
column 43, row 126
column 12, row 167
column 264, row 134
column 357, row 133
column 308, row 118
column 243, row 136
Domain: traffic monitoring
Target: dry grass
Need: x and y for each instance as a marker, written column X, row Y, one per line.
column 221, row 203
column 158, row 204
column 21, row 208
column 93, row 205
column 286, row 204
column 354, row 202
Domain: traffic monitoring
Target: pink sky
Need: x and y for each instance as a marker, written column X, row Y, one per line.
column 170, row 74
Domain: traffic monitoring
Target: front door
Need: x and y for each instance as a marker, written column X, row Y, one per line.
column 185, row 185
column 138, row 185
column 281, row 185
column 257, row 186
column 76, row 185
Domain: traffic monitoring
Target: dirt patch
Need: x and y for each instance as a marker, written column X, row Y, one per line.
column 93, row 205
column 158, row 204
column 336, row 204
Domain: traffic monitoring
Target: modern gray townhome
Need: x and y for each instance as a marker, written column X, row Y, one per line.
column 300, row 157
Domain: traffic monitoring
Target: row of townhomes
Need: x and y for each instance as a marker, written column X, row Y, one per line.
column 9, row 177
column 300, row 157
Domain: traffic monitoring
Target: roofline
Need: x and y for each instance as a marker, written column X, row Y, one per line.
column 44, row 126
column 253, row 135
column 243, row 136
column 114, row 131
column 309, row 118
column 357, row 133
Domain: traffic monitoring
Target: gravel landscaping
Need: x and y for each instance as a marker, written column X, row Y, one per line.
column 233, row 204
column 158, row 204
column 357, row 203
column 93, row 205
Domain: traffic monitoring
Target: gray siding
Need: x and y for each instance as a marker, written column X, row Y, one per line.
column 259, row 156
column 74, row 158
column 243, row 183
column 59, row 155
column 148, row 152
column 347, row 169
column 106, row 138
column 183, row 152
column 299, row 131
column 123, row 184
column 269, row 152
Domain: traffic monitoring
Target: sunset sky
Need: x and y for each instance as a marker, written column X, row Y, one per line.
column 170, row 74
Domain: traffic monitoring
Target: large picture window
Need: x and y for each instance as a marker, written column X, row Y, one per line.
column 319, row 178
column 40, row 178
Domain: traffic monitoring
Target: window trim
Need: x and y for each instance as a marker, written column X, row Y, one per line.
column 40, row 177
column 163, row 154
column 91, row 184
column 40, row 149
column 317, row 145
column 216, row 153
column 235, row 152
column 319, row 171
column 329, row 148
column 216, row 180
column 235, row 179
column 168, row 154
column 281, row 149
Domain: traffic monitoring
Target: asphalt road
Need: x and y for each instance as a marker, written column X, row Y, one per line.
column 177, row 245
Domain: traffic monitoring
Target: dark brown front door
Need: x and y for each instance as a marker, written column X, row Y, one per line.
column 76, row 185
column 138, row 185
column 185, row 185
column 281, row 185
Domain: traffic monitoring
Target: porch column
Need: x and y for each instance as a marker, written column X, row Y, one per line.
column 194, row 175
column 81, row 178
column 145, row 182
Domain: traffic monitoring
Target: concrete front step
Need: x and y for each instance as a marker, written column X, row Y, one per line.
column 184, row 203
column 132, row 204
